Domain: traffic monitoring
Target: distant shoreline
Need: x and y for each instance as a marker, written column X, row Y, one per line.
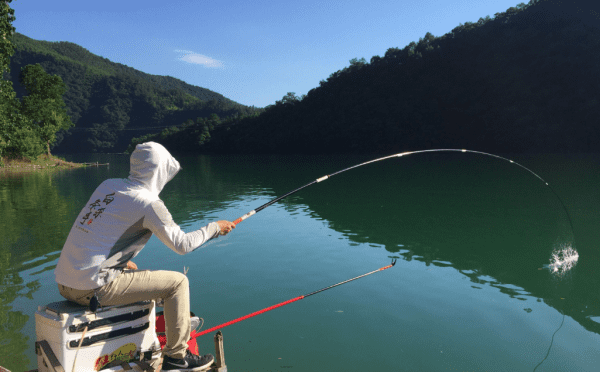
column 43, row 163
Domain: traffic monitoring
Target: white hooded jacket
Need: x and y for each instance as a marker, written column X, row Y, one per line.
column 120, row 218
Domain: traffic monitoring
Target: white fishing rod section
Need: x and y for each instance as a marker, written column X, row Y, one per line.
column 328, row 176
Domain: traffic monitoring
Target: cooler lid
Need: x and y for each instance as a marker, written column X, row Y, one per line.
column 70, row 307
column 65, row 307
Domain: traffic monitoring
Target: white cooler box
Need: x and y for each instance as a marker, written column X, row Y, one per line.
column 115, row 334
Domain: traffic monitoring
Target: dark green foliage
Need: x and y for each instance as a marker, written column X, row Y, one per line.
column 191, row 135
column 20, row 129
column 111, row 103
column 23, row 141
column 44, row 105
column 7, row 94
column 524, row 80
column 7, row 17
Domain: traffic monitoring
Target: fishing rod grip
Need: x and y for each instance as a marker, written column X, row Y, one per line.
column 251, row 213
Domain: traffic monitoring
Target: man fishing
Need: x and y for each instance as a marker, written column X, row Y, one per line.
column 113, row 227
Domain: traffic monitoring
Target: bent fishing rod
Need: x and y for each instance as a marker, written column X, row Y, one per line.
column 321, row 179
column 287, row 302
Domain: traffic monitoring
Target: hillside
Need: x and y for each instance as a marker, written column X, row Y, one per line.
column 109, row 102
column 524, row 80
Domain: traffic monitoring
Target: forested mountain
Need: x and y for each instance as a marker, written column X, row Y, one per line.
column 109, row 102
column 523, row 80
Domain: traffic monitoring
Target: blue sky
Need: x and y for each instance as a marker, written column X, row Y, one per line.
column 252, row 52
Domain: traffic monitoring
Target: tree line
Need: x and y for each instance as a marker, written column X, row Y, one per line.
column 523, row 80
column 28, row 126
column 110, row 103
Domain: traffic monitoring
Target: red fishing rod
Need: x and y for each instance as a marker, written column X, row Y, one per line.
column 286, row 302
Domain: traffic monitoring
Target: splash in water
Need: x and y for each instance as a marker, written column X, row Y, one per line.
column 563, row 260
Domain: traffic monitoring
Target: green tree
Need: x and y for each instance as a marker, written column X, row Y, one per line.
column 358, row 62
column 18, row 135
column 7, row 93
column 7, row 17
column 290, row 97
column 44, row 105
column 204, row 135
column 213, row 120
column 23, row 141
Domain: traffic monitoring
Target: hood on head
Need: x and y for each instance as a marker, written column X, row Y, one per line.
column 153, row 166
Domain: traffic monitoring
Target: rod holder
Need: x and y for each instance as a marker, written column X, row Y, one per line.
column 219, row 365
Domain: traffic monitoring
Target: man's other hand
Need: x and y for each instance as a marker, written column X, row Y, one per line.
column 131, row 266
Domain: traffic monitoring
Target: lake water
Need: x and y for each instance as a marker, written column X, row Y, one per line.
column 472, row 289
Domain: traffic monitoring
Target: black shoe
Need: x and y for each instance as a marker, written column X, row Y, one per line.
column 191, row 362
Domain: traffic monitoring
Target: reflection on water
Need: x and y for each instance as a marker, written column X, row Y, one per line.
column 472, row 235
column 33, row 220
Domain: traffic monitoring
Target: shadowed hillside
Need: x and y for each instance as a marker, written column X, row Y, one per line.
column 524, row 80
column 109, row 102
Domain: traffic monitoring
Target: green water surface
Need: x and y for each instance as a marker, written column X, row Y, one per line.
column 471, row 291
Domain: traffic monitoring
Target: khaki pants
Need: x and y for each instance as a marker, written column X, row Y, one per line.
column 141, row 285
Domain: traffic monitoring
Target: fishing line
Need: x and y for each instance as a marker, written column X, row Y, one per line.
column 562, row 261
column 552, row 341
column 321, row 179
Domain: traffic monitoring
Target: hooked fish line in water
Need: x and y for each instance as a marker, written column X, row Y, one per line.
column 561, row 261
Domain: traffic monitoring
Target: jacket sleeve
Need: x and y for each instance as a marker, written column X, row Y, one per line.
column 160, row 222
